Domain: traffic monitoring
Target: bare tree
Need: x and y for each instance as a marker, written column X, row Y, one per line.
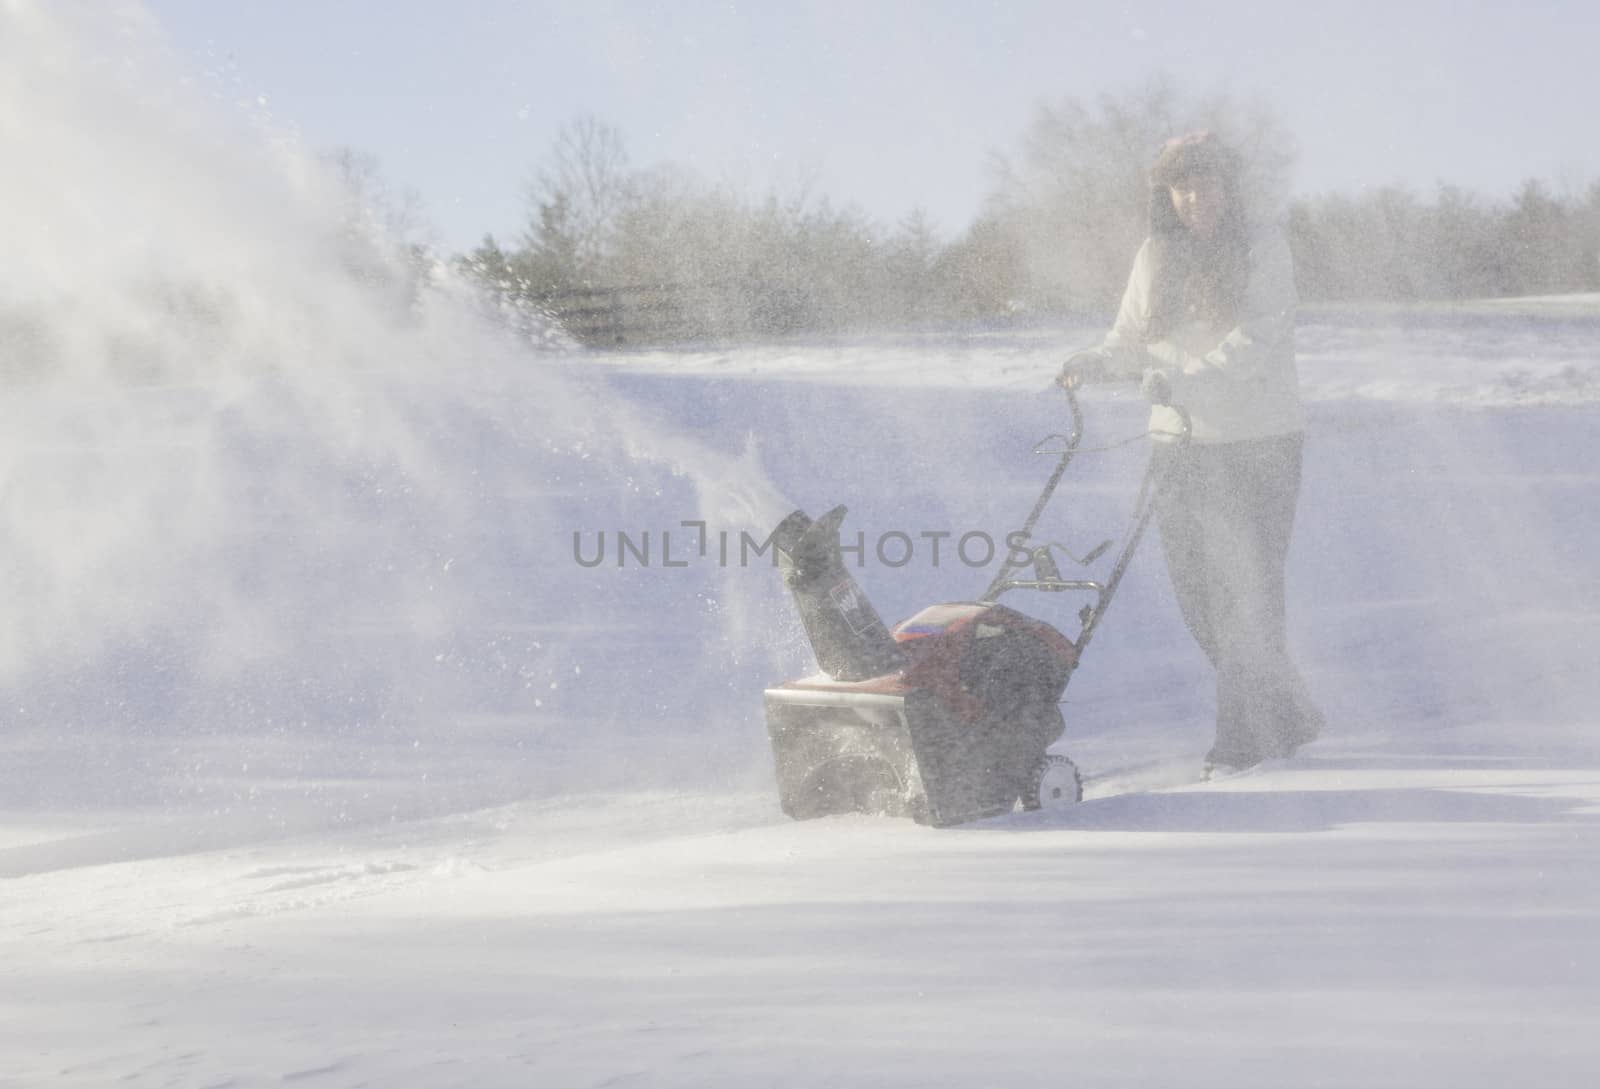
column 370, row 204
column 581, row 192
column 385, row 241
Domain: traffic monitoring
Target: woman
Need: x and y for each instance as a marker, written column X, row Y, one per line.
column 1208, row 317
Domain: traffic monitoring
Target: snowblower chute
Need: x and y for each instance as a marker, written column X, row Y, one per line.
column 949, row 716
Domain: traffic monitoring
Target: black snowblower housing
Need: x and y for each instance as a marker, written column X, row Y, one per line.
column 949, row 716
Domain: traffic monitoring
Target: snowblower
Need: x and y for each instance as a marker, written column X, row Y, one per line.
column 949, row 716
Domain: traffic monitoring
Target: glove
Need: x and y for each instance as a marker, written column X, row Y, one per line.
column 1088, row 366
column 1156, row 387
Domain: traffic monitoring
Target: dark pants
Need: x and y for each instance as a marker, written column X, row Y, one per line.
column 1226, row 515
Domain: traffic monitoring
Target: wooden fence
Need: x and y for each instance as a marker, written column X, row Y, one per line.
column 645, row 315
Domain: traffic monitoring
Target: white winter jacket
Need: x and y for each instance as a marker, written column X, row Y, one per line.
column 1238, row 383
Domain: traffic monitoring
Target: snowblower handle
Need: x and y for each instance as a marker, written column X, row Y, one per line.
column 1157, row 471
column 1002, row 580
column 1069, row 448
column 1077, row 414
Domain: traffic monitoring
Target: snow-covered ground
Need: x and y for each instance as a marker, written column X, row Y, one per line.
column 1340, row 921
column 327, row 761
column 1410, row 901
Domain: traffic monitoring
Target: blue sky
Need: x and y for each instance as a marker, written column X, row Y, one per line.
column 890, row 104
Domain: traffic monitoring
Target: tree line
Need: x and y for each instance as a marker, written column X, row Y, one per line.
column 625, row 255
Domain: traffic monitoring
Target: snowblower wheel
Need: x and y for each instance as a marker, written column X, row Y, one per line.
column 1055, row 784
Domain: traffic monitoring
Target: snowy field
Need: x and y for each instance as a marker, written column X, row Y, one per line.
column 326, row 760
column 491, row 894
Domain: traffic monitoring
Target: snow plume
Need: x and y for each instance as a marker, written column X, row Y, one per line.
column 1486, row 603
column 257, row 478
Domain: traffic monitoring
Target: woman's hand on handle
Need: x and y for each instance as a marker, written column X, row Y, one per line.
column 1086, row 366
column 1156, row 387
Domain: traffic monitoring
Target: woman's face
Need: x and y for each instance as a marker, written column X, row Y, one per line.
column 1199, row 202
